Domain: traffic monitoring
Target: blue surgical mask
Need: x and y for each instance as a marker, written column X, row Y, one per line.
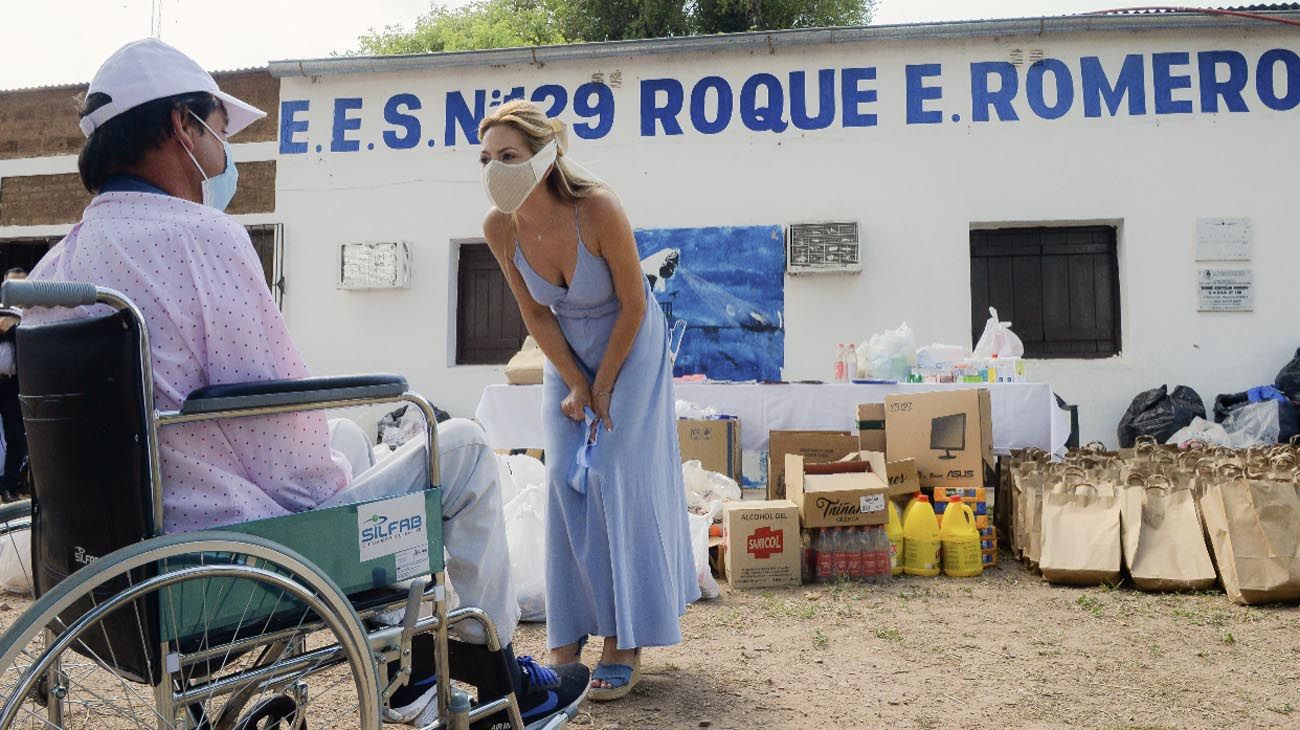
column 218, row 190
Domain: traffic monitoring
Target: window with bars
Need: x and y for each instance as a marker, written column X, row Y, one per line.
column 1058, row 286
column 489, row 328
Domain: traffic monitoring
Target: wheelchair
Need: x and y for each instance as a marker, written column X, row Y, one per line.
column 286, row 623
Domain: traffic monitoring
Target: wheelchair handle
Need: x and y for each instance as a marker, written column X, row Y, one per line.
column 24, row 294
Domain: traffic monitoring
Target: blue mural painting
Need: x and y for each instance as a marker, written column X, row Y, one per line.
column 723, row 290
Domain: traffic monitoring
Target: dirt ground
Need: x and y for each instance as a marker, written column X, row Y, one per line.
column 1001, row 651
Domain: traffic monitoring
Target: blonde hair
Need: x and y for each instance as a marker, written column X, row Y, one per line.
column 567, row 181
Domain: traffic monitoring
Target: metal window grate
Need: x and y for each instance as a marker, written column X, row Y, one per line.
column 827, row 247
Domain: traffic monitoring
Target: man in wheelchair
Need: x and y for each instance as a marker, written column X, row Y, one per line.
column 157, row 160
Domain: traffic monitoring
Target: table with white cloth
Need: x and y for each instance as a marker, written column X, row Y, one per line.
column 1024, row 415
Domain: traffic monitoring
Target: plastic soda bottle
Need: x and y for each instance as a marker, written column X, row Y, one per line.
column 921, row 542
column 825, row 555
column 886, row 553
column 855, row 554
column 808, row 553
column 961, row 541
column 841, row 373
column 894, row 533
column 840, row 540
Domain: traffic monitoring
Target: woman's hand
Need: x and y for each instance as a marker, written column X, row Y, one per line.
column 575, row 404
column 600, row 400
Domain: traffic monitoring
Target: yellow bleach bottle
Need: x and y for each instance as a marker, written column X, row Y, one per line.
column 920, row 538
column 894, row 529
column 961, row 541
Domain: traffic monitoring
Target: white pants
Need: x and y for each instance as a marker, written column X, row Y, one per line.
column 474, row 532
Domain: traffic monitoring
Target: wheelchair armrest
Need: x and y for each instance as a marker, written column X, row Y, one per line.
column 300, row 391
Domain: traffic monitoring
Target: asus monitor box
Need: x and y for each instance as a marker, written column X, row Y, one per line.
column 948, row 433
column 762, row 544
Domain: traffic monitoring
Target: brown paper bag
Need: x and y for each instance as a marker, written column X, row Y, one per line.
column 525, row 368
column 1254, row 527
column 1081, row 536
column 1164, row 544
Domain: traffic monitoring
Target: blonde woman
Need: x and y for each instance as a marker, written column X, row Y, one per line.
column 618, row 561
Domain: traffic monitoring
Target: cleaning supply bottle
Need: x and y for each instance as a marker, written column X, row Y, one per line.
column 961, row 541
column 895, row 531
column 920, row 538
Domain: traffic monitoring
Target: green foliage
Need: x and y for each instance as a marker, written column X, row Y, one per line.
column 511, row 23
column 737, row 16
column 617, row 20
column 481, row 24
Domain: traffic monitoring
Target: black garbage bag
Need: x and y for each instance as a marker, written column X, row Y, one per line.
column 1159, row 414
column 1288, row 415
column 1288, row 378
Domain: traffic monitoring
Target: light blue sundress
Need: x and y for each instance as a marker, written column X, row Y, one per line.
column 618, row 553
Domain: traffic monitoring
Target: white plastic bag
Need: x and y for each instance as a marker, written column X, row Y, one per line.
column 525, row 470
column 1253, row 423
column 687, row 409
column 510, row 487
column 1245, row 426
column 706, row 491
column 888, row 354
column 940, row 355
column 998, row 339
column 16, row 562
column 700, row 549
column 525, row 518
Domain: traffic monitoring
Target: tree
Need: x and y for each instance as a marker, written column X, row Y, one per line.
column 737, row 16
column 617, row 20
column 510, row 23
column 481, row 24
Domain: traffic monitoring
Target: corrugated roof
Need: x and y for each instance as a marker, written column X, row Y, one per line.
column 769, row 40
column 84, row 84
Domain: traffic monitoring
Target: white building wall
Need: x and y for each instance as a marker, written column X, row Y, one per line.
column 917, row 190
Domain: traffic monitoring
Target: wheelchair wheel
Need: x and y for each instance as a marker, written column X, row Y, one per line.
column 15, row 569
column 201, row 631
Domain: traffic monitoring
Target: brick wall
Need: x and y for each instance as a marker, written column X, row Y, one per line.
column 43, row 122
column 40, row 122
column 52, row 199
column 35, row 200
column 256, row 191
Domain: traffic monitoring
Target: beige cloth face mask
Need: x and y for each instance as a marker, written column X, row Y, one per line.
column 508, row 185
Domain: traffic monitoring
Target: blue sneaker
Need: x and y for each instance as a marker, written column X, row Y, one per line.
column 548, row 697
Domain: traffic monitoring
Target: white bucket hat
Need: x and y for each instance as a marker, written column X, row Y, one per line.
column 148, row 70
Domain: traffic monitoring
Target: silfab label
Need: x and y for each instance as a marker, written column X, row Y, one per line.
column 391, row 526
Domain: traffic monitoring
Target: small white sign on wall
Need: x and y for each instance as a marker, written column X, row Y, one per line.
column 374, row 265
column 1223, row 239
column 1225, row 290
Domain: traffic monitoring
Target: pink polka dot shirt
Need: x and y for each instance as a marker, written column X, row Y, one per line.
column 194, row 274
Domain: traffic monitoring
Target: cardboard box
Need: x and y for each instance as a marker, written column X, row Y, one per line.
column 968, row 494
column 714, row 442
column 538, row 454
column 949, row 434
column 990, row 557
column 835, row 500
column 871, row 427
column 813, row 446
column 900, row 476
column 762, row 547
column 980, row 509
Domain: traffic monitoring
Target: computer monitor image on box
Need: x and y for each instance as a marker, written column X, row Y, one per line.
column 948, row 434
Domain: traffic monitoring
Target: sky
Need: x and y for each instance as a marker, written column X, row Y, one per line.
column 48, row 42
